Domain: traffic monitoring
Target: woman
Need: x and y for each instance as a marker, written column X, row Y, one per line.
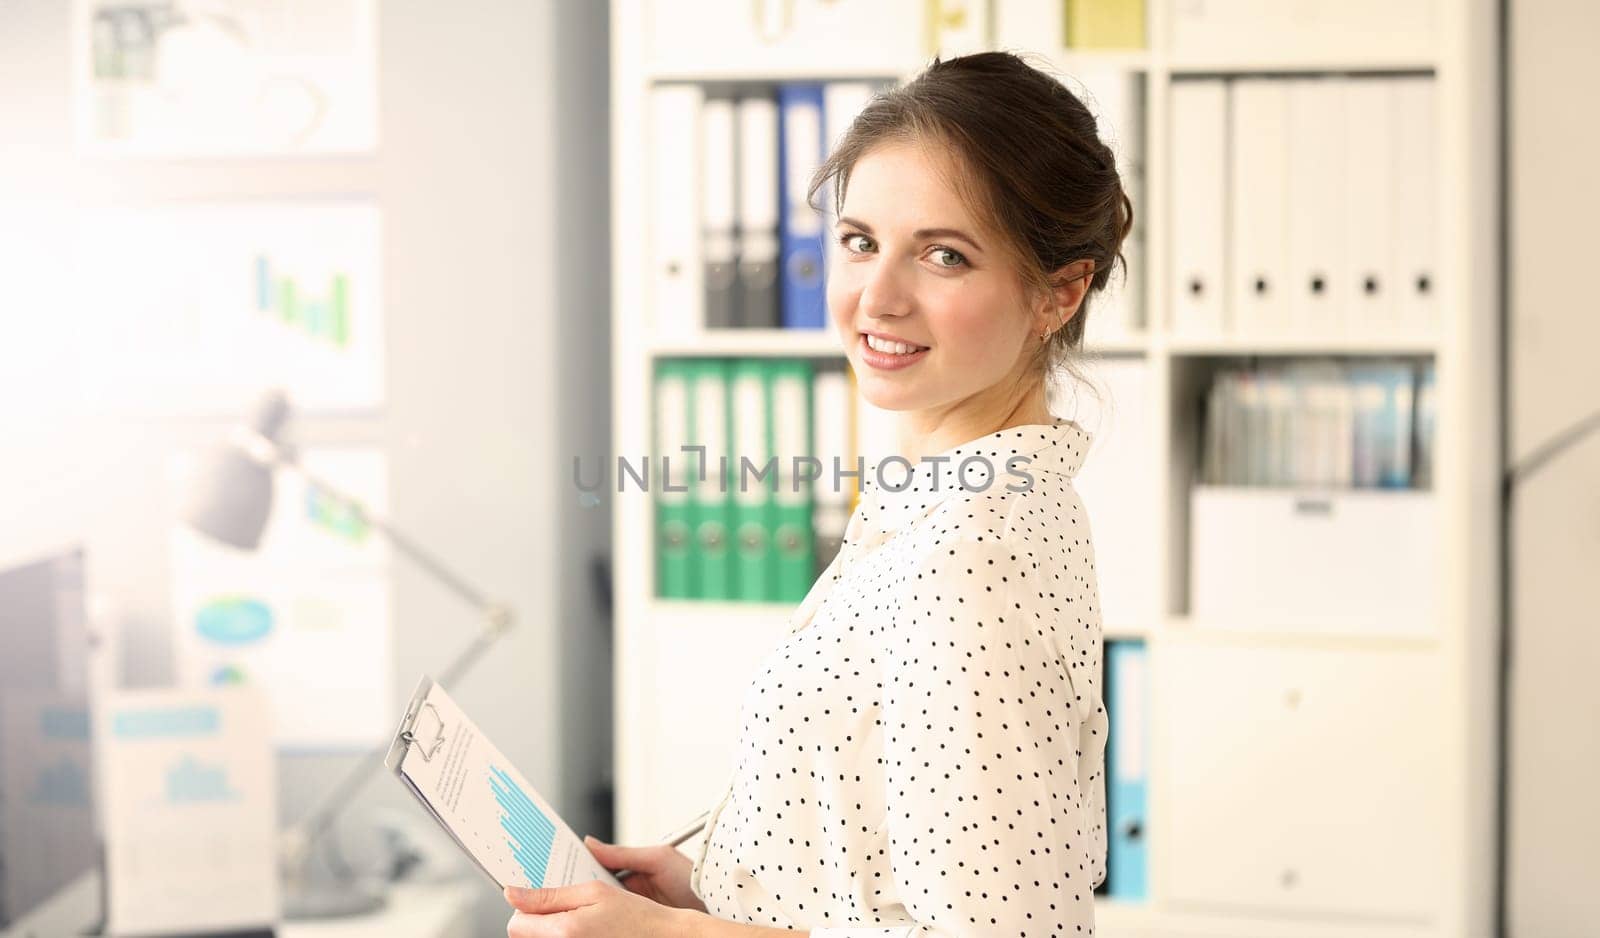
column 923, row 754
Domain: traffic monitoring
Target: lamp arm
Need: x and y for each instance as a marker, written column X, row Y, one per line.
column 497, row 620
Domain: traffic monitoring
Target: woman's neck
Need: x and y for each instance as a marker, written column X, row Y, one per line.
column 931, row 432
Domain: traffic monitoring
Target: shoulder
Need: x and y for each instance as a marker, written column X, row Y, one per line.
column 1033, row 513
column 1007, row 543
column 1025, row 555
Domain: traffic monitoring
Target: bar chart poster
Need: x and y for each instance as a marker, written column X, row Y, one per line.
column 196, row 309
column 307, row 615
column 226, row 77
column 188, row 790
column 493, row 812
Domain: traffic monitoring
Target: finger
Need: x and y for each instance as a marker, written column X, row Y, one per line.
column 523, row 925
column 614, row 856
column 547, row 900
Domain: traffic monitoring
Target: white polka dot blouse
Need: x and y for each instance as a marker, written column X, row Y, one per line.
column 923, row 753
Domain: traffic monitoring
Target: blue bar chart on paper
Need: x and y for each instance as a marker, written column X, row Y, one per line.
column 531, row 835
column 475, row 793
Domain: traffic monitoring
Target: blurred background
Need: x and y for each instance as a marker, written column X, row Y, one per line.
column 337, row 335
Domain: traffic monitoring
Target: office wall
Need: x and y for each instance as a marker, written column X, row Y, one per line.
column 1554, row 198
column 491, row 179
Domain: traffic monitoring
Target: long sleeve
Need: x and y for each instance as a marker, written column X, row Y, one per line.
column 995, row 817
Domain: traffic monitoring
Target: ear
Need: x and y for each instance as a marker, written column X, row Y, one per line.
column 1070, row 283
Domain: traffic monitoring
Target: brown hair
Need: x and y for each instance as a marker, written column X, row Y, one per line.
column 1026, row 158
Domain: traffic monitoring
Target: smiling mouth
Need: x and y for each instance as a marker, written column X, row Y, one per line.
column 889, row 347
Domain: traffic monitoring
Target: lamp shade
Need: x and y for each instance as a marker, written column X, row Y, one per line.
column 230, row 498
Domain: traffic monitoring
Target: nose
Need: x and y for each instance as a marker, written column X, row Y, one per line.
column 886, row 292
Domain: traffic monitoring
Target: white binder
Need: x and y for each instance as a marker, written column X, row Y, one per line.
column 1113, row 97
column 747, row 467
column 675, row 208
column 830, row 406
column 877, row 440
column 1415, row 203
column 712, row 485
column 718, row 194
column 673, row 467
column 1259, row 186
column 1317, row 281
column 841, row 102
column 1199, row 193
column 758, row 212
column 1369, row 201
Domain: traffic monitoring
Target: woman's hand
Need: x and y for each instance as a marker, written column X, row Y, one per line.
column 595, row 909
column 660, row 872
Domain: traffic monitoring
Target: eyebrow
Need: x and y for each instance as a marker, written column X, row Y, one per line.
column 920, row 234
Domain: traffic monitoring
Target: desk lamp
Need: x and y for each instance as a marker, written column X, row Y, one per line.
column 230, row 501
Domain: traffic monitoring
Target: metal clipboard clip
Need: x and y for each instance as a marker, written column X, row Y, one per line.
column 425, row 738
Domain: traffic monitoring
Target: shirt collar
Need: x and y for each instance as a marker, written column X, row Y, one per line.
column 1005, row 459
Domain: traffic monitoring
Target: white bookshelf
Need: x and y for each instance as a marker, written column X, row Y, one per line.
column 674, row 739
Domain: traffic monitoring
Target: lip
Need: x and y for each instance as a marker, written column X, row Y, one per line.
column 886, row 361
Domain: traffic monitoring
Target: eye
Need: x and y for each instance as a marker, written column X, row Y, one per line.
column 856, row 243
column 948, row 258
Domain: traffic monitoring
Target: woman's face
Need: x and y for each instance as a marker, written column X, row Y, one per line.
column 910, row 265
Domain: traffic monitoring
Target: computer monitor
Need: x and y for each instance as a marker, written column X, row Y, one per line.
column 47, row 839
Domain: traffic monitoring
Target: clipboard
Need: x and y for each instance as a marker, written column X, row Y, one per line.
column 479, row 798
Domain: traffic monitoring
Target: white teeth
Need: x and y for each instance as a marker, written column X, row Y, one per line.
column 893, row 348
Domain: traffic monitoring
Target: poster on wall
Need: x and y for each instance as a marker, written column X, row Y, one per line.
column 306, row 615
column 195, row 309
column 208, row 78
column 188, row 812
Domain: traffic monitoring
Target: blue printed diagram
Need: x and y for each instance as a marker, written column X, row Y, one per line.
column 166, row 722
column 529, row 833
column 189, row 782
column 234, row 620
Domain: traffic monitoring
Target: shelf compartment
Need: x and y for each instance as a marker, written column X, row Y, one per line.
column 1351, row 561
column 1277, row 752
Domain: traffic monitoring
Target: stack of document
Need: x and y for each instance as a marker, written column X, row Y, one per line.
column 759, row 510
column 1321, row 423
column 735, row 242
column 1304, row 206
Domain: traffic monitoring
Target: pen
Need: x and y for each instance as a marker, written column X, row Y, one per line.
column 694, row 828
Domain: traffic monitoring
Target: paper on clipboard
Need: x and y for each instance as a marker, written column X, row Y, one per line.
column 481, row 800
